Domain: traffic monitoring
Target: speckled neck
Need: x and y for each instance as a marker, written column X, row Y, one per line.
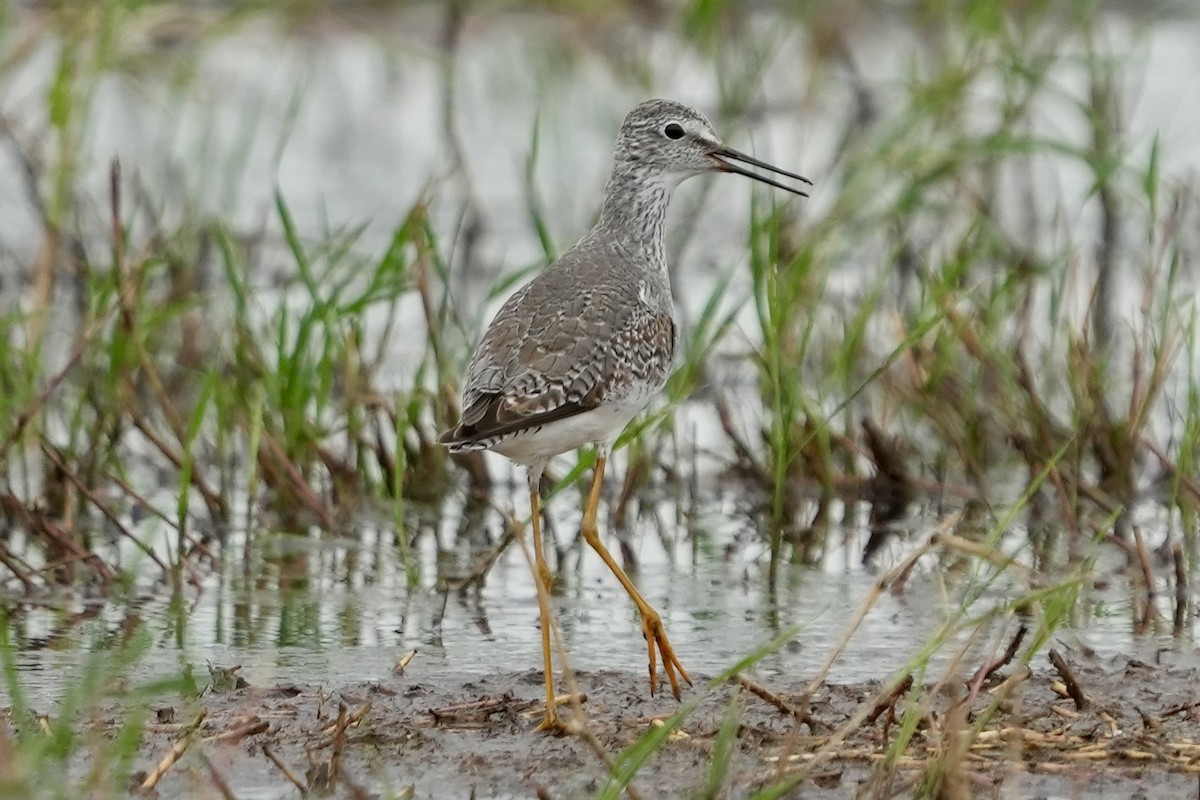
column 635, row 210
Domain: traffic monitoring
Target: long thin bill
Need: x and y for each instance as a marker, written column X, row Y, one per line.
column 726, row 155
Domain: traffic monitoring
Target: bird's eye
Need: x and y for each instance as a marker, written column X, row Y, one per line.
column 673, row 131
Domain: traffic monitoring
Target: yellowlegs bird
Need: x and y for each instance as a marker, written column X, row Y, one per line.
column 578, row 351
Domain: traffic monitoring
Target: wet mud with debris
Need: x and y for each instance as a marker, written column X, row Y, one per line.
column 436, row 734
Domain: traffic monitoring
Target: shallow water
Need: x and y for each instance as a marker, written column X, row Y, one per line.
column 341, row 611
column 364, row 142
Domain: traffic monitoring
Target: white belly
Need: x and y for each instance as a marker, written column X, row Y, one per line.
column 601, row 425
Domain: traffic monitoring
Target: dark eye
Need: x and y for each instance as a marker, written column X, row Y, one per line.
column 673, row 131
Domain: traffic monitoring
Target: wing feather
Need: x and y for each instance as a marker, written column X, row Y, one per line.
column 560, row 347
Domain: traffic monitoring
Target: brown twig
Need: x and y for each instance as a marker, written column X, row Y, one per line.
column 484, row 706
column 30, row 412
column 1180, row 709
column 21, row 570
column 1189, row 484
column 37, row 522
column 196, row 545
column 757, row 689
column 1068, row 679
column 986, row 669
column 881, row 585
column 743, row 451
column 888, row 701
column 130, row 282
column 114, row 197
column 1181, row 588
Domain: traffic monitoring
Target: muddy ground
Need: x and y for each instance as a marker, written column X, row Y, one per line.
column 446, row 736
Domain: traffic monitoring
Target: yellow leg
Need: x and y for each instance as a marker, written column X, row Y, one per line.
column 541, row 576
column 539, row 552
column 652, row 627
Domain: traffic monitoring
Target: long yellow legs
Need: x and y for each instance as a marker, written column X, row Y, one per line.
column 652, row 628
column 541, row 577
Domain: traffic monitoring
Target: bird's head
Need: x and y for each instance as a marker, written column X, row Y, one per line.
column 670, row 138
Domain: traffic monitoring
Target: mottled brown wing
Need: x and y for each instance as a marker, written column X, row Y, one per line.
column 558, row 348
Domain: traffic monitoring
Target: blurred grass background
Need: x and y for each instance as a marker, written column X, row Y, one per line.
column 247, row 247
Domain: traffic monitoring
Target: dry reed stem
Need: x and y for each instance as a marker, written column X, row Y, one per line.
column 539, row 707
column 404, row 661
column 129, row 287
column 881, row 584
column 339, row 744
column 21, row 570
column 52, row 454
column 30, row 412
column 474, row 708
column 216, row 503
column 249, row 726
column 37, row 522
column 1149, row 612
column 745, row 454
column 982, row 551
column 482, row 567
column 217, row 779
column 274, row 460
column 1181, row 589
column 1043, row 751
column 953, row 783
column 355, row 718
column 287, row 772
column 173, row 755
column 877, row 590
column 1190, row 484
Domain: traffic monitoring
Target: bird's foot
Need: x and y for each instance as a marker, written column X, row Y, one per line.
column 552, row 723
column 657, row 643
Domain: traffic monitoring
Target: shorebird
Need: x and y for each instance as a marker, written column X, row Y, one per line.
column 573, row 355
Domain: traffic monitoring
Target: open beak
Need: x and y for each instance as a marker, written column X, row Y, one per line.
column 725, row 156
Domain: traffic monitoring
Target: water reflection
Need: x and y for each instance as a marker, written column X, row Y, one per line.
column 365, row 137
column 338, row 612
